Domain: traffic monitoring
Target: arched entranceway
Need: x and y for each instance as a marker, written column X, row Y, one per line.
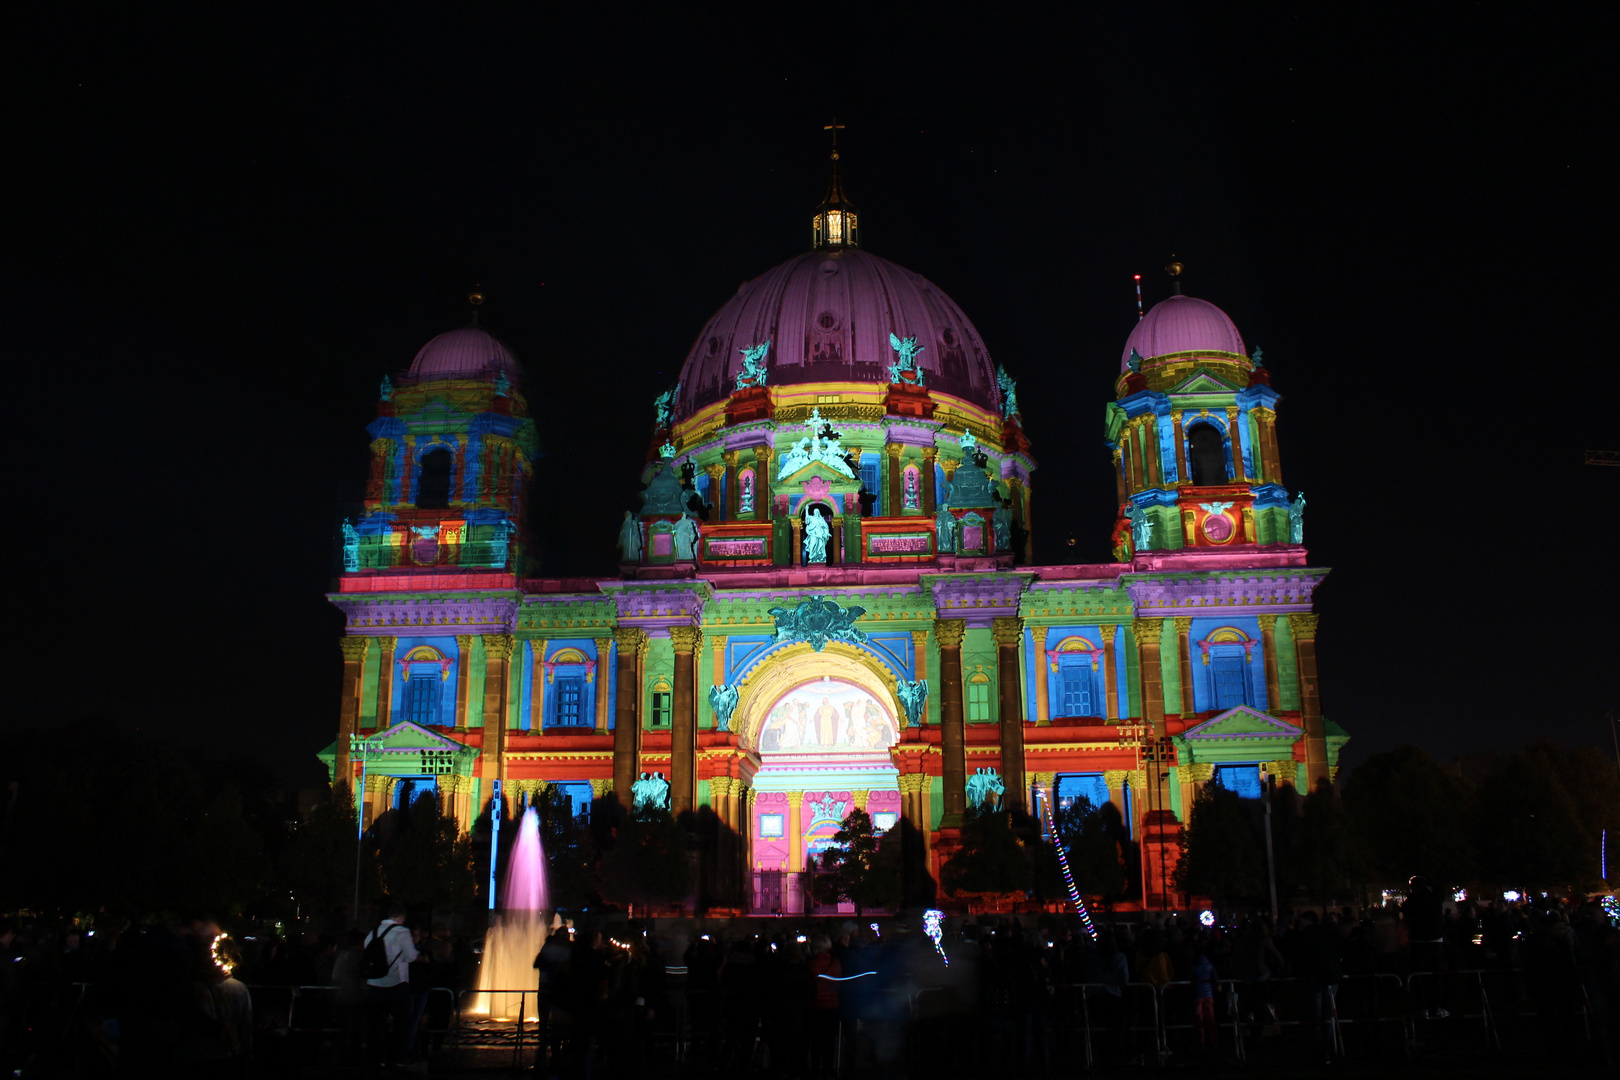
column 822, row 725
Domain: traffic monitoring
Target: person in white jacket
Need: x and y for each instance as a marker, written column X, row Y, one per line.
column 388, row 996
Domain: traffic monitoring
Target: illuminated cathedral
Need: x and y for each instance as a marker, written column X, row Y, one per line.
column 826, row 597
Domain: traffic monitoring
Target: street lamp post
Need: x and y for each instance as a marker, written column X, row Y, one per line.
column 1266, row 787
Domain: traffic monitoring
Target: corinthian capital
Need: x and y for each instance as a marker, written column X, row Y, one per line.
column 686, row 639
column 1148, row 631
column 1303, row 625
column 1007, row 631
column 629, row 639
column 949, row 632
column 354, row 648
column 499, row 646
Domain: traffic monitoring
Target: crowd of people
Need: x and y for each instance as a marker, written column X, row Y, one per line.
column 790, row 998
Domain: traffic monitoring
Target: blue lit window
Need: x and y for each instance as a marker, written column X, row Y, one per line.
column 422, row 698
column 570, row 695
column 1243, row 779
column 1229, row 671
column 1078, row 697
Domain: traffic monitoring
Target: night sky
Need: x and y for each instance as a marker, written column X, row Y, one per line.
column 224, row 228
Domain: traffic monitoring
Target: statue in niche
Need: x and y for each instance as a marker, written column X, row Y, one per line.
column 1001, row 520
column 651, row 790
column 816, row 534
column 351, row 545
column 985, row 789
column 1009, row 393
column 723, row 700
column 913, row 496
column 905, row 369
column 1296, row 519
column 753, row 372
column 914, row 696
column 1141, row 527
column 745, row 493
column 664, row 406
column 1255, row 359
column 503, row 387
column 686, row 539
column 630, row 539
column 1135, row 362
column 387, row 390
column 822, row 444
column 945, row 531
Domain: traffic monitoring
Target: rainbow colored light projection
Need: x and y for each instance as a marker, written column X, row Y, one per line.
column 1068, row 878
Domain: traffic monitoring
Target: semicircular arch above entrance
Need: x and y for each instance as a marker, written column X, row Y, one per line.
column 857, row 685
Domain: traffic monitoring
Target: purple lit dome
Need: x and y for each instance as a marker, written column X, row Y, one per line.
column 1183, row 324
column 467, row 351
column 828, row 315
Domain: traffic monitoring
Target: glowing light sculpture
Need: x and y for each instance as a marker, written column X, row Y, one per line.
column 1068, row 878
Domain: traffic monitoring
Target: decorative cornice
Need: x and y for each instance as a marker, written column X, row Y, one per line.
column 1303, row 626
column 1236, row 591
column 949, row 632
column 477, row 613
column 1008, row 632
column 659, row 603
column 1148, row 631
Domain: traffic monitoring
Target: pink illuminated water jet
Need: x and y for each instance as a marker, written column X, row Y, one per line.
column 519, row 930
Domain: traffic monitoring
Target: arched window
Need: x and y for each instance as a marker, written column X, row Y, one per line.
column 978, row 698
column 433, row 486
column 1208, row 463
column 1228, row 654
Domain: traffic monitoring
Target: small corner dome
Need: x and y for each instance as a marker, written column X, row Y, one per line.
column 463, row 352
column 1183, row 324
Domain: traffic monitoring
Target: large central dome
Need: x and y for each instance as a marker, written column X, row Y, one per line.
column 828, row 315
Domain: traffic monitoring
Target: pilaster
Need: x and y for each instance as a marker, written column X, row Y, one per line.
column 354, row 668
column 1268, row 645
column 629, row 642
column 1189, row 700
column 537, row 686
column 604, row 650
column 1009, row 638
column 1303, row 626
column 385, row 682
column 949, row 633
column 1043, row 707
column 1110, row 671
column 464, row 643
column 919, row 646
column 498, row 650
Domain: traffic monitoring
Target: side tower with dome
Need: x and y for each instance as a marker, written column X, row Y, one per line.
column 825, row 598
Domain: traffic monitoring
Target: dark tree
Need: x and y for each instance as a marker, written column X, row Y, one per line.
column 1091, row 836
column 1527, row 827
column 1411, row 817
column 992, row 859
column 1323, row 855
column 570, row 852
column 648, row 863
column 862, row 866
column 1220, row 857
column 318, row 866
column 425, row 860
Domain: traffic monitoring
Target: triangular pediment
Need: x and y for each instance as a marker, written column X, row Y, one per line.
column 1202, row 382
column 406, row 735
column 1243, row 723
column 837, row 482
column 402, row 746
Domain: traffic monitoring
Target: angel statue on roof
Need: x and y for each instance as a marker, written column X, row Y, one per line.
column 905, row 369
column 753, row 372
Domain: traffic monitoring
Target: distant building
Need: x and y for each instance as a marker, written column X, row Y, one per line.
column 826, row 598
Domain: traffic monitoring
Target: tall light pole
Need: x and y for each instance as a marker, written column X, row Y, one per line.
column 365, row 748
column 1271, row 862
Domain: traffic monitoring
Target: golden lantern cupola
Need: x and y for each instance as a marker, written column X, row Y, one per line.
column 835, row 224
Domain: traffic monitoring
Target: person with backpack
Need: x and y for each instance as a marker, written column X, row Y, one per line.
column 386, row 960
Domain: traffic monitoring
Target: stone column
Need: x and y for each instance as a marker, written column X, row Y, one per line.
column 1147, row 633
column 929, row 455
column 354, row 670
column 717, row 643
column 1181, row 447
column 717, row 474
column 1274, row 474
column 1268, row 645
column 688, row 640
column 1310, row 701
column 385, row 682
column 604, row 649
column 1115, row 779
column 1119, row 474
column 630, row 641
column 795, row 833
column 729, row 511
column 763, row 511
column 1110, row 671
column 537, row 687
column 919, row 646
column 1234, row 425
column 497, row 677
column 1189, row 700
column 953, row 746
column 897, row 489
column 1043, row 705
column 1009, row 635
column 1150, row 450
column 464, row 643
column 798, row 540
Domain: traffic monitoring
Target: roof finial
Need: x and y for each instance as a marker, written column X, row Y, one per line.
column 475, row 298
column 835, row 222
column 1174, row 268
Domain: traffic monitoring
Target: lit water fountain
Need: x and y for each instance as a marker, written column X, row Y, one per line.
column 519, row 929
